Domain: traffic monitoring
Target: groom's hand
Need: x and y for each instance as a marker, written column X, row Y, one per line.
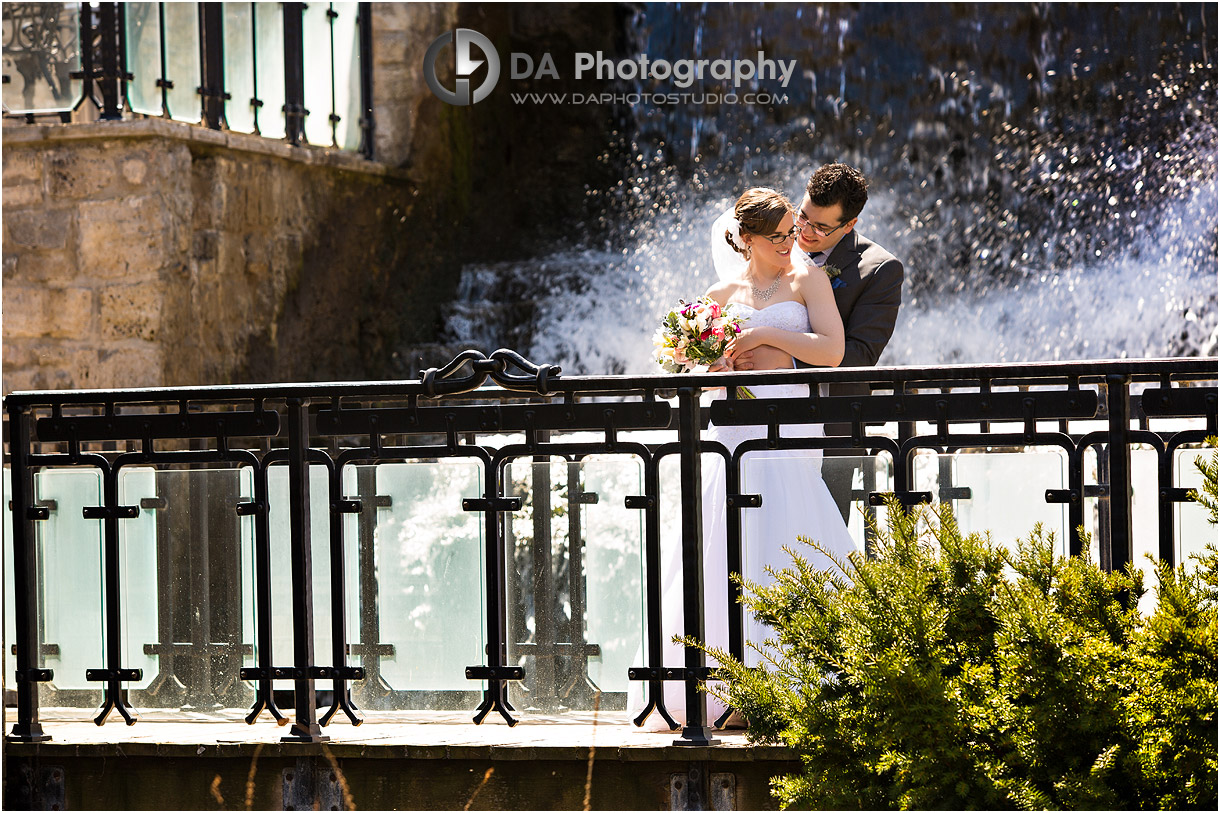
column 744, row 360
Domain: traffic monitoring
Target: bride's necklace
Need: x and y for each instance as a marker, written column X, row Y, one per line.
column 766, row 293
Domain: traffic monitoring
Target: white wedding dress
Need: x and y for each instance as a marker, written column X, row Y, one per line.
column 795, row 502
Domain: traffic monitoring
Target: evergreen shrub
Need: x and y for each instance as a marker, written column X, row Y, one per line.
column 948, row 672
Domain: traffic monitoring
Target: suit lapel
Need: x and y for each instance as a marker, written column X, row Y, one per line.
column 846, row 257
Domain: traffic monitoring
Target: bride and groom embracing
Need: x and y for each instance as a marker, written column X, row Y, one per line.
column 815, row 292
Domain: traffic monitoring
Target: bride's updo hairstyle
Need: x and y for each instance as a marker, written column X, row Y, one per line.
column 759, row 211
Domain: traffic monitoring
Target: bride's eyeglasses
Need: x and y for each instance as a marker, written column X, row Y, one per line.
column 780, row 239
column 804, row 224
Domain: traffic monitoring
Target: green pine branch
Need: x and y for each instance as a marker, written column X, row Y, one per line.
column 950, row 672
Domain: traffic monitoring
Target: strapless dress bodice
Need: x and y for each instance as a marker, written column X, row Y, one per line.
column 789, row 315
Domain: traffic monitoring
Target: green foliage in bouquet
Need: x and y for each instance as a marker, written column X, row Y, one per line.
column 947, row 672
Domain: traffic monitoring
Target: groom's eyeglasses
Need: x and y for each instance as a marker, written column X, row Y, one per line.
column 803, row 224
column 779, row 239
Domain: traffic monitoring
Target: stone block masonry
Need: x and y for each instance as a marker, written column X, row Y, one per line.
column 153, row 253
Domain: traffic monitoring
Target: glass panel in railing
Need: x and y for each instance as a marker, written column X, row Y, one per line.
column 850, row 479
column 239, row 66
column 182, row 61
column 538, row 594
column 670, row 477
column 41, row 52
column 611, row 575
column 796, row 506
column 319, row 99
column 281, row 565
column 183, row 558
column 143, row 36
column 419, row 566
column 71, row 585
column 10, row 619
column 1193, row 528
column 138, row 584
column 1001, row 491
column 1145, row 508
column 269, row 68
column 346, row 33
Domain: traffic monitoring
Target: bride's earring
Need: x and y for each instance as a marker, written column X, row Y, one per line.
column 749, row 250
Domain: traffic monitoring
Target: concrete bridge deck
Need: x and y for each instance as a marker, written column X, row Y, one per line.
column 213, row 760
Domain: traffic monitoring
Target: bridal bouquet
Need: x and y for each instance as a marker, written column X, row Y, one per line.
column 694, row 334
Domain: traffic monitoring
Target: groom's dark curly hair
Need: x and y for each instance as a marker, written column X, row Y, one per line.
column 841, row 184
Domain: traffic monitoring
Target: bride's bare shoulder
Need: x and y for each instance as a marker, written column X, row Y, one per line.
column 800, row 265
column 721, row 291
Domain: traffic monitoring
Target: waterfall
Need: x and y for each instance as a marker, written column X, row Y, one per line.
column 1046, row 172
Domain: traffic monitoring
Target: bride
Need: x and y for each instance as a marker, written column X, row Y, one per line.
column 790, row 314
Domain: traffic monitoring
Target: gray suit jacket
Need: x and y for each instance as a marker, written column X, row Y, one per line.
column 868, row 299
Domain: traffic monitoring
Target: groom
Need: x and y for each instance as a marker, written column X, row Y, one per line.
column 867, row 279
column 867, row 284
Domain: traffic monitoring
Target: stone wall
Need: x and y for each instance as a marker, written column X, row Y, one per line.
column 86, row 232
column 149, row 253
column 402, row 33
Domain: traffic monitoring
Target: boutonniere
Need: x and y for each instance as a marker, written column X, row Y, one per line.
column 833, row 272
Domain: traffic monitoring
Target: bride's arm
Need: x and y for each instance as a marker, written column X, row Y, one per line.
column 822, row 346
column 720, row 293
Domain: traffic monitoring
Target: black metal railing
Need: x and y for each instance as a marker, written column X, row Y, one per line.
column 482, row 414
column 128, row 59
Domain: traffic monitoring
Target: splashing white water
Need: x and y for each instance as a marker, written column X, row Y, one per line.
column 1156, row 304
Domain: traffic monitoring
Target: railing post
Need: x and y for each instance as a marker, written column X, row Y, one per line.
column 904, row 468
column 695, row 731
column 1118, row 469
column 578, row 687
column 25, row 581
column 264, row 670
column 544, row 696
column 305, row 728
column 113, row 673
column 294, row 73
column 88, row 30
column 1165, row 505
column 374, row 687
column 198, row 586
column 111, row 73
column 211, row 47
column 652, row 592
column 364, row 19
column 1076, row 506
